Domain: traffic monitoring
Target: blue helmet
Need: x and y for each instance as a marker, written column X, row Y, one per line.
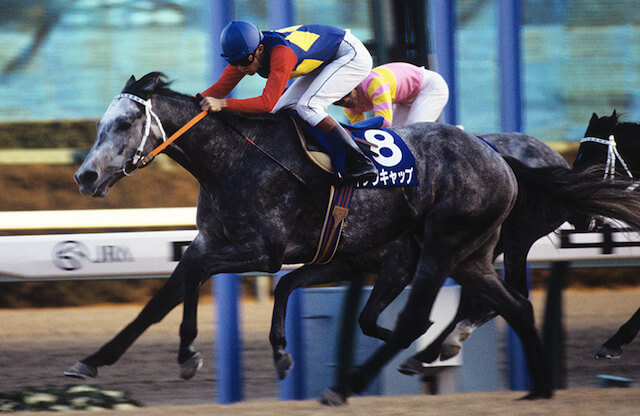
column 238, row 39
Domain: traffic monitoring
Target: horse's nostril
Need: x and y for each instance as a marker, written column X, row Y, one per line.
column 86, row 178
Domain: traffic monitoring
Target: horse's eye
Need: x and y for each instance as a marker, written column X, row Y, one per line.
column 123, row 125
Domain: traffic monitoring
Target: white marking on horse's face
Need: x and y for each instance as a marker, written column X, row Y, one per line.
column 120, row 130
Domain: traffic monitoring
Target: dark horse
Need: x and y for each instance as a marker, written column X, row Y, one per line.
column 253, row 215
column 623, row 155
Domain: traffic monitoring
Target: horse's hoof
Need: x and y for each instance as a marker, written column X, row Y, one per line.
column 284, row 364
column 189, row 368
column 536, row 395
column 82, row 371
column 608, row 353
column 411, row 367
column 449, row 351
column 333, row 399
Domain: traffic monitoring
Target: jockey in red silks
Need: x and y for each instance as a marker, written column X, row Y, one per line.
column 400, row 92
column 329, row 62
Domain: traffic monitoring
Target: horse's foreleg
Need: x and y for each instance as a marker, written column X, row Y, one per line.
column 627, row 332
column 305, row 276
column 195, row 273
column 395, row 274
column 167, row 298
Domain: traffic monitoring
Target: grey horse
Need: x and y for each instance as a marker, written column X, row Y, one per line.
column 255, row 214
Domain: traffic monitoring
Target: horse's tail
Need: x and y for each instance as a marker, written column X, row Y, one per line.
column 560, row 192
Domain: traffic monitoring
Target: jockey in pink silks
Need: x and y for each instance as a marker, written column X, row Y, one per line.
column 400, row 92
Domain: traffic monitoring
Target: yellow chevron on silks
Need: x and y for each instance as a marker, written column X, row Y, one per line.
column 288, row 29
column 305, row 67
column 387, row 76
column 303, row 40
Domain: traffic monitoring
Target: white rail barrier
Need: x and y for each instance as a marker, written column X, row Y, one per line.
column 97, row 218
column 567, row 244
column 155, row 253
column 98, row 255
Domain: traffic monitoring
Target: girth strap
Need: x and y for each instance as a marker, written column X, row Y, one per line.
column 337, row 211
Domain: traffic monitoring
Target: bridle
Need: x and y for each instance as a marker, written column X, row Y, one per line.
column 139, row 160
column 612, row 156
column 149, row 114
column 610, row 168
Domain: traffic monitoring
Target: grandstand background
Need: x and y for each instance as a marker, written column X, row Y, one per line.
column 66, row 59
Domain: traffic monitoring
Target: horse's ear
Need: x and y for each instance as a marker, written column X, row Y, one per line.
column 614, row 115
column 594, row 117
column 130, row 82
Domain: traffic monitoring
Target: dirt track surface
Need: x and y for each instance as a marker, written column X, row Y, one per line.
column 37, row 345
column 582, row 402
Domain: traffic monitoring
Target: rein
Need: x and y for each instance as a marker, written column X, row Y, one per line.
column 139, row 160
column 252, row 143
column 612, row 156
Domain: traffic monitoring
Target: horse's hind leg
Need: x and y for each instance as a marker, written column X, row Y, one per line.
column 517, row 237
column 518, row 313
column 438, row 257
column 449, row 342
column 168, row 297
column 305, row 276
column 627, row 332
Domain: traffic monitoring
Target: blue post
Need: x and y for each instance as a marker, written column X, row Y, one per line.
column 509, row 17
column 293, row 386
column 443, row 22
column 228, row 342
column 280, row 13
column 220, row 13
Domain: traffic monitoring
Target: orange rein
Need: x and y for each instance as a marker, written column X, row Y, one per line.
column 148, row 157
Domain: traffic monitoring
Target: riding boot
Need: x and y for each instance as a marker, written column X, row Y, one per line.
column 358, row 167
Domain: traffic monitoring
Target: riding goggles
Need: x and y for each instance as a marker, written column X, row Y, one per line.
column 244, row 61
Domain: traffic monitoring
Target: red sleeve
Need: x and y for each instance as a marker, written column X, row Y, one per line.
column 227, row 81
column 283, row 60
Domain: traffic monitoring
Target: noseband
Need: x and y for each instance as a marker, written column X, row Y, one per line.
column 147, row 128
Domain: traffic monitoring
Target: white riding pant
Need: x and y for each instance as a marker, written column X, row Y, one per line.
column 311, row 94
column 427, row 104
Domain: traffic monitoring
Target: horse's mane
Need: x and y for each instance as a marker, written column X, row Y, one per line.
column 160, row 85
column 630, row 125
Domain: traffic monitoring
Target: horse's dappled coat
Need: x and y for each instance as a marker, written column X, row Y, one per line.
column 254, row 216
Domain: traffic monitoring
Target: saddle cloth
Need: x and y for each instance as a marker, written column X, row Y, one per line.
column 392, row 157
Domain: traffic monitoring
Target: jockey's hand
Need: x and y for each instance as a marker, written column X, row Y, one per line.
column 213, row 104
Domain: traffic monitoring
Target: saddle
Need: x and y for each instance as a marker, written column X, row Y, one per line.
column 311, row 139
column 324, row 151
